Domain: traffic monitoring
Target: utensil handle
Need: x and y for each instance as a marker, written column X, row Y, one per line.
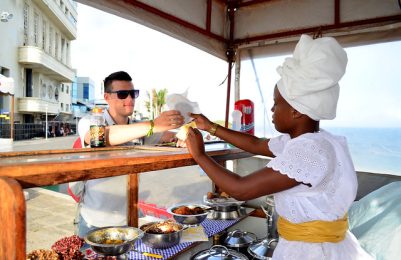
column 152, row 255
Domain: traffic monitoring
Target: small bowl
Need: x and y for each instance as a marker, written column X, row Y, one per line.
column 194, row 219
column 113, row 241
column 161, row 240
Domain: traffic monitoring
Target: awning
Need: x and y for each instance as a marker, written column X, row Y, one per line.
column 6, row 85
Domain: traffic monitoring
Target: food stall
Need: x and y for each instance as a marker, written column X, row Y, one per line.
column 232, row 30
column 40, row 168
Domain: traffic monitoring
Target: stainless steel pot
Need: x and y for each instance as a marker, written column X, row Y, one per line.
column 219, row 252
column 161, row 240
column 195, row 219
column 262, row 249
column 239, row 240
column 104, row 240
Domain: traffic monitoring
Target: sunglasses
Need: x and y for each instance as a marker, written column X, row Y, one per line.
column 123, row 94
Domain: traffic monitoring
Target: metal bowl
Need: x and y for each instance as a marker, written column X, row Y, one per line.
column 192, row 220
column 113, row 241
column 161, row 241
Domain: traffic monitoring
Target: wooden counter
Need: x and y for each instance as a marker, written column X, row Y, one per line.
column 41, row 168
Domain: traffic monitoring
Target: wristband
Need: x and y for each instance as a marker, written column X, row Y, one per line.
column 152, row 125
column 213, row 129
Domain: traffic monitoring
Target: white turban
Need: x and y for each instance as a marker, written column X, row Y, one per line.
column 309, row 80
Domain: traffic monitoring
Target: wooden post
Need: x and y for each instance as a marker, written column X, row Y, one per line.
column 12, row 219
column 12, row 118
column 133, row 194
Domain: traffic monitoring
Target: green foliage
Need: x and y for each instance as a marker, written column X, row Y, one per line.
column 156, row 101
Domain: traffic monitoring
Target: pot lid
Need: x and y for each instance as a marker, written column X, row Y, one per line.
column 238, row 238
column 263, row 249
column 219, row 252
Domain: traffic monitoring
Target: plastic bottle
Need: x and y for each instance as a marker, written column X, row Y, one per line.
column 97, row 128
column 237, row 115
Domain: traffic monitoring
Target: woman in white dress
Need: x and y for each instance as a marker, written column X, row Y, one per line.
column 311, row 174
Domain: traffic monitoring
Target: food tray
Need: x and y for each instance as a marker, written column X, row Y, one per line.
column 222, row 201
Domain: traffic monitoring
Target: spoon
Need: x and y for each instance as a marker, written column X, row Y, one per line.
column 149, row 254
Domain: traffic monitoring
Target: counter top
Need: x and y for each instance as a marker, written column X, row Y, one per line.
column 41, row 168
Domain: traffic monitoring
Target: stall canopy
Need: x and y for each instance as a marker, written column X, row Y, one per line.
column 7, row 88
column 6, row 85
column 241, row 29
column 268, row 26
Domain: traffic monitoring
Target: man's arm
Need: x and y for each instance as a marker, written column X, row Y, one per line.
column 120, row 134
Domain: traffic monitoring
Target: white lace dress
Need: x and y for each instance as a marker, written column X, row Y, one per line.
column 323, row 160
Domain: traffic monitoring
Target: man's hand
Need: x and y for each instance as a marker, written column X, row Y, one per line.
column 168, row 120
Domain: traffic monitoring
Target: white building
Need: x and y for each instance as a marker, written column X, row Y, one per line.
column 35, row 52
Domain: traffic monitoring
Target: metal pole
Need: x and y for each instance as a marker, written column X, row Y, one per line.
column 47, row 127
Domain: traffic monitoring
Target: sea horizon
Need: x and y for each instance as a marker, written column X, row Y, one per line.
column 373, row 149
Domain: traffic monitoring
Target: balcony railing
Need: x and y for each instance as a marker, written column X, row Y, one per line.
column 36, row 57
column 37, row 105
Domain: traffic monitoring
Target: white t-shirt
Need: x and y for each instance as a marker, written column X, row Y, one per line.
column 323, row 160
column 104, row 202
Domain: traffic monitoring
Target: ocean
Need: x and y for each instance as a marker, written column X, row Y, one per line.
column 376, row 150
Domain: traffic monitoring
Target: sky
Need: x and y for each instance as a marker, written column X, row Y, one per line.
column 107, row 43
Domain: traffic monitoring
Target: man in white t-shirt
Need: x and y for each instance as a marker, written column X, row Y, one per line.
column 104, row 201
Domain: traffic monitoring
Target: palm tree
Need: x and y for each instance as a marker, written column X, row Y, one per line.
column 156, row 102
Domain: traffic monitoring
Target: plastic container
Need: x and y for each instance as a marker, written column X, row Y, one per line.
column 97, row 128
column 236, row 115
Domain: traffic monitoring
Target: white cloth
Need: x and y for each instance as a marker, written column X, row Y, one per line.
column 376, row 221
column 309, row 79
column 104, row 202
column 323, row 160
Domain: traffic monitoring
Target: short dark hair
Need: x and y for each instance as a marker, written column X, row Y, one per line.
column 119, row 75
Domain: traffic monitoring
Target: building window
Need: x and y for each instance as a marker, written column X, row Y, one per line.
column 67, row 107
column 74, row 90
column 4, row 71
column 43, row 91
column 62, row 49
column 56, row 47
column 86, row 91
column 51, row 40
column 56, row 94
column 67, row 89
column 50, row 92
column 28, row 82
column 36, row 29
column 62, row 106
column 26, row 20
column 44, row 35
column 62, row 87
column 67, row 53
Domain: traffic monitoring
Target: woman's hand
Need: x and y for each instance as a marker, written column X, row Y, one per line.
column 194, row 143
column 202, row 122
column 168, row 120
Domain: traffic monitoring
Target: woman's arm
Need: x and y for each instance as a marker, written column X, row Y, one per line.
column 259, row 183
column 241, row 140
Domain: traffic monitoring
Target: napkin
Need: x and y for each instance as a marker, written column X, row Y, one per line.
column 193, row 234
column 181, row 103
